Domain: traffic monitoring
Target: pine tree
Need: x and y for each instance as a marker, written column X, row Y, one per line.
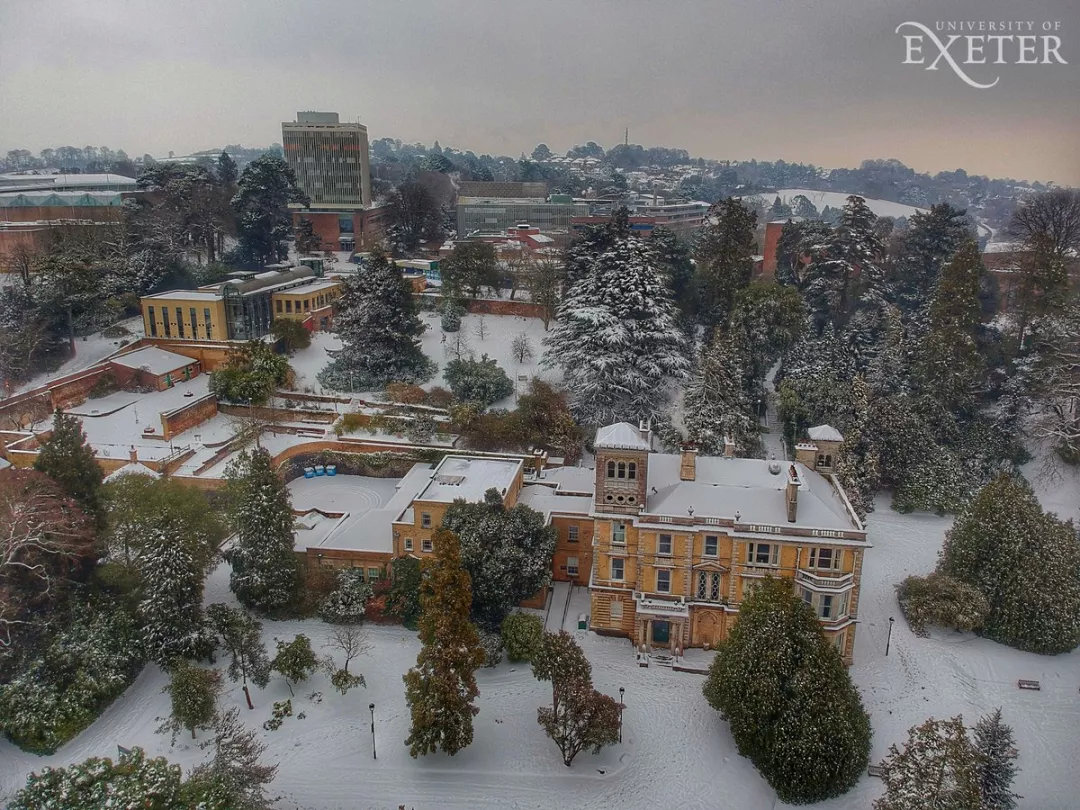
column 1026, row 563
column 379, row 330
column 265, row 572
column 263, row 193
column 67, row 458
column 996, row 747
column 617, row 337
column 507, row 553
column 859, row 465
column 931, row 240
column 241, row 635
column 715, row 404
column 725, row 259
column 193, row 693
column 948, row 365
column 171, row 603
column 234, row 779
column 938, row 769
column 441, row 688
column 307, row 241
column 809, row 742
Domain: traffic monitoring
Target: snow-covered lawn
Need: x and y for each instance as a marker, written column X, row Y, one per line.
column 500, row 331
column 676, row 752
column 837, row 199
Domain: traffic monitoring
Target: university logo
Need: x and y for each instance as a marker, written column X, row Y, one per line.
column 962, row 44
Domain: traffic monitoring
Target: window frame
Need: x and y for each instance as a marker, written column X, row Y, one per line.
column 618, row 529
column 572, row 566
column 715, row 538
column 425, row 520
column 408, row 544
column 615, row 609
column 426, row 544
column 622, row 569
column 752, row 553
column 666, row 574
column 573, row 534
column 670, row 544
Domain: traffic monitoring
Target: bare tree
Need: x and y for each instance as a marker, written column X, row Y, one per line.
column 521, row 348
column 1052, row 216
column 44, row 538
column 350, row 640
column 480, row 330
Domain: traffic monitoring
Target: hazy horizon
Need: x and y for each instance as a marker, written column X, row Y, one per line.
column 821, row 82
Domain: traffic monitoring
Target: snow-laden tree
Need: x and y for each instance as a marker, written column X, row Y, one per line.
column 617, row 337
column 67, row 459
column 507, row 553
column 724, row 252
column 997, row 750
column 941, row 600
column 193, row 693
column 1025, row 561
column 948, row 364
column 132, row 781
column 347, row 602
column 241, row 635
column 716, row 404
column 441, row 689
column 379, row 330
column 1054, row 375
column 789, row 699
column 770, row 318
column 859, row 465
column 295, row 660
column 234, row 778
column 521, row 635
column 481, row 381
column 938, row 769
column 265, row 572
column 170, row 604
column 932, row 238
column 263, row 193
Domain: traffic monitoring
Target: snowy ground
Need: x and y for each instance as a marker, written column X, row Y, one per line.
column 676, row 751
column 500, row 331
column 838, row 199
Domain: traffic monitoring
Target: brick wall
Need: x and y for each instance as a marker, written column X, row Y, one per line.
column 188, row 416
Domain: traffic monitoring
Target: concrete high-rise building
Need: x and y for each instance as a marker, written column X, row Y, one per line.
column 330, row 159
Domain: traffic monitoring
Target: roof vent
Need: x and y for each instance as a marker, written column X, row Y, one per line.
column 775, row 467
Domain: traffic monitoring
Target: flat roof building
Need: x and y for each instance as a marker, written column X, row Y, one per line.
column 330, row 159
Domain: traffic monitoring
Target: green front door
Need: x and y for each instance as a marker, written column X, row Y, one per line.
column 660, row 632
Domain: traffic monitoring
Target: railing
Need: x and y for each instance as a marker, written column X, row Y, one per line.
column 825, row 582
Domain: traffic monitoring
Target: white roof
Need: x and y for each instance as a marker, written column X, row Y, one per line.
column 724, row 486
column 620, row 436
column 547, row 501
column 825, row 433
column 153, row 359
column 468, row 478
column 134, row 468
column 570, row 479
column 186, row 295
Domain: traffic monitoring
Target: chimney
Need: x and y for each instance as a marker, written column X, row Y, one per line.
column 133, row 455
column 645, row 431
column 688, row 465
column 729, row 447
column 539, row 457
column 791, row 494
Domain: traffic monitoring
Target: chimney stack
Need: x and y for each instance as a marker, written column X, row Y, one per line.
column 645, row 431
column 133, row 455
column 688, row 464
column 791, row 493
column 729, row 447
column 539, row 457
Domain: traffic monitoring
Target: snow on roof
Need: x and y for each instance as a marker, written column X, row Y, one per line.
column 571, row 479
column 620, row 436
column 825, row 433
column 724, row 486
column 152, row 359
column 186, row 295
column 469, row 477
column 1005, row 247
column 350, row 511
column 547, row 501
column 134, row 468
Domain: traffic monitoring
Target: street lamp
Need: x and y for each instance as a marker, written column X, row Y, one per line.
column 889, row 640
column 622, row 691
column 371, row 706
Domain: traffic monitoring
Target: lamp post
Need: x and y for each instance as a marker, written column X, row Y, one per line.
column 889, row 640
column 371, row 706
column 622, row 691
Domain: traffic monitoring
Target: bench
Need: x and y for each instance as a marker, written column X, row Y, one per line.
column 1025, row 684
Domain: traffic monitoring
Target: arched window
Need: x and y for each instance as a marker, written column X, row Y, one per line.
column 611, row 469
column 631, row 470
column 622, row 469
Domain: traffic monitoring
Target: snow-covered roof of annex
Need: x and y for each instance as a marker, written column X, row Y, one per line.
column 825, row 433
column 133, row 468
column 620, row 436
column 724, row 487
column 154, row 360
column 547, row 501
column 469, row 477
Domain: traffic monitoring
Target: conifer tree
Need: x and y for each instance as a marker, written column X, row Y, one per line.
column 725, row 259
column 67, row 458
column 932, row 238
column 441, row 689
column 617, row 337
column 716, row 404
column 193, row 693
column 949, row 366
column 171, row 603
column 859, row 465
column 1026, row 563
column 811, row 742
column 996, row 748
column 263, row 193
column 938, row 769
column 265, row 572
column 379, row 330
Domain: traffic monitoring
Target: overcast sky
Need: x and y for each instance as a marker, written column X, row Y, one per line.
column 804, row 80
